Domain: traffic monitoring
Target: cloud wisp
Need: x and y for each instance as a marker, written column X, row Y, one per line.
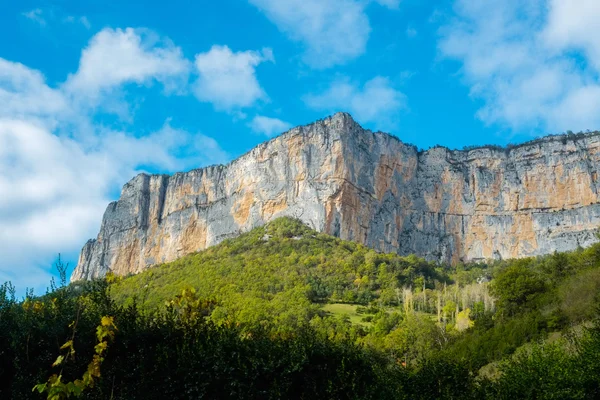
column 49, row 16
column 83, row 20
column 36, row 15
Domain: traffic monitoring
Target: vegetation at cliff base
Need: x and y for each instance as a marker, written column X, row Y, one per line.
column 285, row 312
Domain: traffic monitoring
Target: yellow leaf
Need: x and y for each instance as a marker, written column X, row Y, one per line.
column 67, row 345
column 58, row 361
column 100, row 347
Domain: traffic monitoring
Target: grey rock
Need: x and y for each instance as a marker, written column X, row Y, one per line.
column 445, row 205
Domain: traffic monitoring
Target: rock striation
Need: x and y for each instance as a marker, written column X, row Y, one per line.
column 446, row 205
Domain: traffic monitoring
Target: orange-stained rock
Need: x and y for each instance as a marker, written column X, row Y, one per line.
column 441, row 204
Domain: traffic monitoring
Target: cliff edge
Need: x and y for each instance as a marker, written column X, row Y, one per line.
column 446, row 205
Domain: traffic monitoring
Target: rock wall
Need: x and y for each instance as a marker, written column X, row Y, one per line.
column 446, row 205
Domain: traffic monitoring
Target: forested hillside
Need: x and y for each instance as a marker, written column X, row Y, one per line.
column 285, row 312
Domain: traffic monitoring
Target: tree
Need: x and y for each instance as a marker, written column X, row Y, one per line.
column 448, row 310
column 516, row 286
column 463, row 320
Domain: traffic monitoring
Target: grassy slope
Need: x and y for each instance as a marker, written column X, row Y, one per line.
column 281, row 266
column 284, row 275
column 346, row 310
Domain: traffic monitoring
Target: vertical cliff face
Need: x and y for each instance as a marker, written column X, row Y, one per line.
column 368, row 187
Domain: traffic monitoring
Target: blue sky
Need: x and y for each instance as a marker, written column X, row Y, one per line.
column 94, row 92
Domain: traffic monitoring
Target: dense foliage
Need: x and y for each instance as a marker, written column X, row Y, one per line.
column 285, row 312
column 280, row 261
column 176, row 354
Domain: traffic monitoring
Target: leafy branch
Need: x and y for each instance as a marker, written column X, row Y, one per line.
column 59, row 390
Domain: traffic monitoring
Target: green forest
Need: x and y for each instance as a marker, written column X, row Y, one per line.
column 286, row 312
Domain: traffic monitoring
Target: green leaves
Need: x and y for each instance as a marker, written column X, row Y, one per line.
column 245, row 320
column 515, row 286
column 249, row 278
column 58, row 390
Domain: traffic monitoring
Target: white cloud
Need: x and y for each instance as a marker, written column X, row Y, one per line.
column 58, row 168
column 115, row 57
column 35, row 15
column 55, row 189
column 333, row 31
column 40, row 174
column 24, row 93
column 411, row 32
column 573, row 24
column 52, row 197
column 522, row 59
column 228, row 79
column 377, row 101
column 268, row 126
column 169, row 149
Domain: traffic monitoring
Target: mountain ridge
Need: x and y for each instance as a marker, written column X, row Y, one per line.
column 364, row 186
column 500, row 148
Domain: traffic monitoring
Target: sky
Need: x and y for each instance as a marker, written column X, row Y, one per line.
column 94, row 92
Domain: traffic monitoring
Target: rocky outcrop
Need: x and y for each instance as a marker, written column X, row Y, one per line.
column 447, row 205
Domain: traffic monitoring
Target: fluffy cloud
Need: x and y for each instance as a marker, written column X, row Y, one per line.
column 228, row 79
column 116, row 56
column 572, row 24
column 52, row 196
column 58, row 167
column 55, row 189
column 333, row 31
column 169, row 149
column 24, row 93
column 268, row 126
column 523, row 59
column 377, row 101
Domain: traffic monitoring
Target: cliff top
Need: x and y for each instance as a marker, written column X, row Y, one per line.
column 346, row 118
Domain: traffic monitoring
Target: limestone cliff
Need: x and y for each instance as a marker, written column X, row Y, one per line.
column 442, row 204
